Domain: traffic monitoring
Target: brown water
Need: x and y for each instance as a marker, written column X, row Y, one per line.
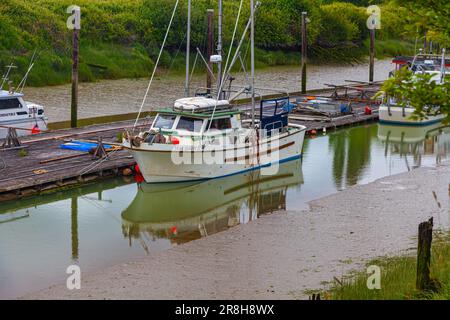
column 112, row 97
column 116, row 221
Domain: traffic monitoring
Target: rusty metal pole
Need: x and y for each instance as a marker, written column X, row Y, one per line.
column 209, row 49
column 372, row 55
column 304, row 50
column 75, row 62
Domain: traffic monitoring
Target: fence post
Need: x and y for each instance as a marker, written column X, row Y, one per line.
column 423, row 280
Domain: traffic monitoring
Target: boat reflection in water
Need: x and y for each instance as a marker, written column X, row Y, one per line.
column 432, row 140
column 186, row 211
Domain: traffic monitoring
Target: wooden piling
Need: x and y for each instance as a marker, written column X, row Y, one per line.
column 304, row 50
column 372, row 55
column 209, row 49
column 423, row 280
column 75, row 62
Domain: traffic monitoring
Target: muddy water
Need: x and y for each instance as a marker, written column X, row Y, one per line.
column 116, row 221
column 112, row 97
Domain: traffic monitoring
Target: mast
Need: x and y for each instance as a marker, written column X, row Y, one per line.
column 252, row 57
column 219, row 49
column 188, row 49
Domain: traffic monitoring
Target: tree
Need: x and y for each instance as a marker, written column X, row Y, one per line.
column 419, row 91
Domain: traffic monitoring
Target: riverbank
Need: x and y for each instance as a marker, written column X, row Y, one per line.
column 115, row 97
column 283, row 255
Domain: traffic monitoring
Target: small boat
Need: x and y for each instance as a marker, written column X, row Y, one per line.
column 19, row 114
column 436, row 65
column 192, row 142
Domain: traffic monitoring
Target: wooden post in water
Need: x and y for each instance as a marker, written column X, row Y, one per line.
column 75, row 61
column 209, row 49
column 423, row 280
column 304, row 50
column 372, row 54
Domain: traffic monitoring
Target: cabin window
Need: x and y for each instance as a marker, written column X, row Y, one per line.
column 219, row 124
column 190, row 124
column 164, row 121
column 10, row 104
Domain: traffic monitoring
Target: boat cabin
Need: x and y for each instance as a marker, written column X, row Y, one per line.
column 195, row 117
column 13, row 107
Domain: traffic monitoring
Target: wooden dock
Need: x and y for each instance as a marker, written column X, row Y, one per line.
column 40, row 165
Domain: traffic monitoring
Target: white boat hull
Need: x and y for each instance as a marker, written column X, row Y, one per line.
column 397, row 116
column 157, row 164
column 26, row 123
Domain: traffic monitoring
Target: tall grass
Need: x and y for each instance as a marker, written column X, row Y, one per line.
column 398, row 280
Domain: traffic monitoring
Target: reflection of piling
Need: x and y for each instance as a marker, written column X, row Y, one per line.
column 304, row 51
column 209, row 49
column 372, row 54
column 74, row 227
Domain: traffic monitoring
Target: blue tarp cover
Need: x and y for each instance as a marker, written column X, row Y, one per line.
column 81, row 146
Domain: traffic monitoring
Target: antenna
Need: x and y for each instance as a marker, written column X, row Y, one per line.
column 5, row 77
column 21, row 85
column 443, row 66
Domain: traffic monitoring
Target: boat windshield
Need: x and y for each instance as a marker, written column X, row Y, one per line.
column 190, row 124
column 164, row 121
column 10, row 104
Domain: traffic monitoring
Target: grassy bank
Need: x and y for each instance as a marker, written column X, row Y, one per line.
column 398, row 278
column 121, row 38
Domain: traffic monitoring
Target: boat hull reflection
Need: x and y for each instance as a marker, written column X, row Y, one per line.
column 416, row 141
column 186, row 211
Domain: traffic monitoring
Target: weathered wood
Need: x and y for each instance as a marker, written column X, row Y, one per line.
column 75, row 61
column 304, row 50
column 372, row 55
column 210, row 48
column 423, row 280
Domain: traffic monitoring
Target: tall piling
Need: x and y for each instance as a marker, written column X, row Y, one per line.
column 209, row 48
column 304, row 50
column 372, row 55
column 75, row 62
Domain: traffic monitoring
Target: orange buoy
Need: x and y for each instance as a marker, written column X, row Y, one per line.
column 35, row 129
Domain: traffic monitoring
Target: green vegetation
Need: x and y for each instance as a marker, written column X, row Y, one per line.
column 22, row 153
column 121, row 38
column 398, row 277
column 420, row 92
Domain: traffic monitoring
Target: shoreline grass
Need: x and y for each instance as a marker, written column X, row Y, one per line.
column 398, row 277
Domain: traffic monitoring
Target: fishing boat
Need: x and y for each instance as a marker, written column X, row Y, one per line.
column 15, row 112
column 206, row 137
column 436, row 66
column 192, row 142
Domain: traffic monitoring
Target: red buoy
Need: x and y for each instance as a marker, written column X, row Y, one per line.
column 35, row 129
column 368, row 110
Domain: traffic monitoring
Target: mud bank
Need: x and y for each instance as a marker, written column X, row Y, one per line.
column 283, row 255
